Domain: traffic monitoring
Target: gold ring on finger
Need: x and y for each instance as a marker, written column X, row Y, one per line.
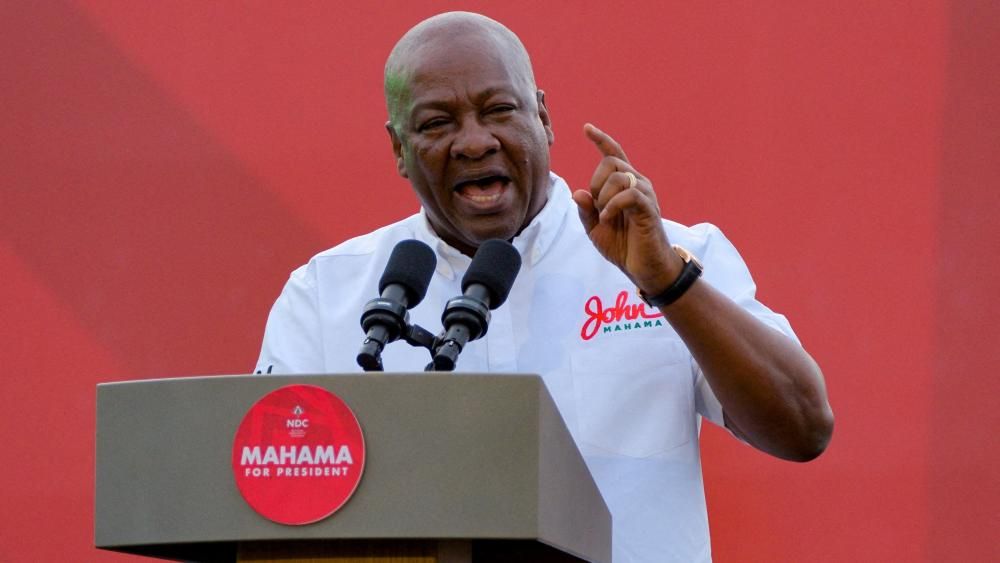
column 631, row 180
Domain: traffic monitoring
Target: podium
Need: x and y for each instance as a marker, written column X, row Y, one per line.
column 460, row 468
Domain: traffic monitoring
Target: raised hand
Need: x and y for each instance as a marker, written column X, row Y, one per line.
column 621, row 215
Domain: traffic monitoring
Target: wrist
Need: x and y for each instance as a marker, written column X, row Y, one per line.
column 679, row 281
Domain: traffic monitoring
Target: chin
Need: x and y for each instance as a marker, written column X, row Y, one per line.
column 505, row 234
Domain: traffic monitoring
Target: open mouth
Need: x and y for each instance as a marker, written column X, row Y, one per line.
column 483, row 191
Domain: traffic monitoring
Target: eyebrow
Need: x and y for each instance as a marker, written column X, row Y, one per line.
column 444, row 104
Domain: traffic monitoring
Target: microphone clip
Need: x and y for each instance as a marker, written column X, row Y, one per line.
column 465, row 319
column 383, row 321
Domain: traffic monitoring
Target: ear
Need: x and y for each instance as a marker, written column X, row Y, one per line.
column 397, row 149
column 543, row 114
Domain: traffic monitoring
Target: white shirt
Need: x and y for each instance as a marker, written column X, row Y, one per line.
column 626, row 385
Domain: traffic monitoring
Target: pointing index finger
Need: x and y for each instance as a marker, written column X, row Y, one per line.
column 604, row 143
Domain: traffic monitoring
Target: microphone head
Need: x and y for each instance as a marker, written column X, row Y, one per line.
column 494, row 266
column 411, row 265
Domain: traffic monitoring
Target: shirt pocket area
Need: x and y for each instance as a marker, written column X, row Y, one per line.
column 634, row 396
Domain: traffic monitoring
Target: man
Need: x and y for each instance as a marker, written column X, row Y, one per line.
column 471, row 133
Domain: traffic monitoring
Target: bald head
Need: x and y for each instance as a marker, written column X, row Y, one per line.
column 468, row 127
column 449, row 32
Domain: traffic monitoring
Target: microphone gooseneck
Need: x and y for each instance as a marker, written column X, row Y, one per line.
column 485, row 286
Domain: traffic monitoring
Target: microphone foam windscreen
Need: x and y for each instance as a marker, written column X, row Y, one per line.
column 411, row 265
column 494, row 266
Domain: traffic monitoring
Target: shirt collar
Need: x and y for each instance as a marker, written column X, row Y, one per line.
column 532, row 243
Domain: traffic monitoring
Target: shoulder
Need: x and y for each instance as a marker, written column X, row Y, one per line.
column 724, row 267
column 704, row 240
column 354, row 255
column 374, row 242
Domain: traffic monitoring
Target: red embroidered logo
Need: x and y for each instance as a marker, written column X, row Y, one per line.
column 622, row 316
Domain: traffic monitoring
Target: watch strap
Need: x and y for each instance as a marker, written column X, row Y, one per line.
column 689, row 274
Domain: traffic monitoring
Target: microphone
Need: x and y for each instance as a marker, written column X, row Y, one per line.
column 485, row 286
column 402, row 286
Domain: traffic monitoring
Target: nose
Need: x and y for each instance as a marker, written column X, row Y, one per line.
column 474, row 141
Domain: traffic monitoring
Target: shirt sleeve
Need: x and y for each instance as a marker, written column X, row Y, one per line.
column 292, row 337
column 726, row 271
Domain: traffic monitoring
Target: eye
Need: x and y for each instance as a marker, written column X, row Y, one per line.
column 500, row 109
column 431, row 124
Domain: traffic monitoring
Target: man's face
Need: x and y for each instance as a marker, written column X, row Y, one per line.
column 473, row 140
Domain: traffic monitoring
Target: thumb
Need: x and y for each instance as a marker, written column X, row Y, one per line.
column 586, row 208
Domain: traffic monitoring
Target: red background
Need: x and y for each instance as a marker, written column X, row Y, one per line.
column 165, row 165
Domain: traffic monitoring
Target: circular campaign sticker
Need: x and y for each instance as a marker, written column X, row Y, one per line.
column 298, row 454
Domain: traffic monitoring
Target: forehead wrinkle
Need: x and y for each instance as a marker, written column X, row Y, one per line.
column 447, row 94
column 438, row 86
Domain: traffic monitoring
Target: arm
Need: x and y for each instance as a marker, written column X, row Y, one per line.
column 293, row 335
column 772, row 392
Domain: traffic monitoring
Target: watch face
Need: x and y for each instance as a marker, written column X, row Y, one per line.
column 686, row 255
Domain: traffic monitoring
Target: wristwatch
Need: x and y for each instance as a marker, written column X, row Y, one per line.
column 691, row 272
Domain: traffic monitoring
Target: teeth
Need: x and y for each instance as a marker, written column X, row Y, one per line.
column 484, row 198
